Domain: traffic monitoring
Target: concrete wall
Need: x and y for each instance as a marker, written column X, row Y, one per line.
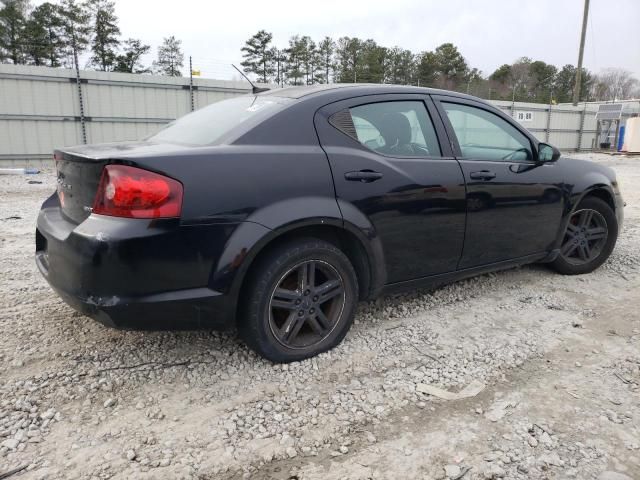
column 40, row 110
column 40, row 107
column 564, row 126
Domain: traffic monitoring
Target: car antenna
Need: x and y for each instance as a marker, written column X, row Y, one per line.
column 254, row 88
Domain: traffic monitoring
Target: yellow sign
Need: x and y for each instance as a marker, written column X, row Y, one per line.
column 195, row 73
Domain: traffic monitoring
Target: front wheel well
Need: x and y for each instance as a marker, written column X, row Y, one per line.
column 603, row 195
column 346, row 241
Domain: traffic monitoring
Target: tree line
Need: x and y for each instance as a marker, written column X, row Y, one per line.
column 53, row 33
column 304, row 61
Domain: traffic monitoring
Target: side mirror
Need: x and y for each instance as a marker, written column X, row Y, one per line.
column 547, row 153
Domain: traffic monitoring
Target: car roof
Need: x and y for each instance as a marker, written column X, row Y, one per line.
column 347, row 90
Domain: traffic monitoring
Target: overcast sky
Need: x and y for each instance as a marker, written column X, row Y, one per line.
column 487, row 32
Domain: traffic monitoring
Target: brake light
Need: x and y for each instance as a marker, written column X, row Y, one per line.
column 135, row 193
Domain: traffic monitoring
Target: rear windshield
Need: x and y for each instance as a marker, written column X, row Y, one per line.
column 211, row 123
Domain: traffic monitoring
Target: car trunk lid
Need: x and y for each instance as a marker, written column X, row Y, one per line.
column 77, row 183
column 79, row 170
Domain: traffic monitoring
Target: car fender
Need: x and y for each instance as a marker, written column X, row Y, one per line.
column 606, row 186
column 590, row 182
column 263, row 226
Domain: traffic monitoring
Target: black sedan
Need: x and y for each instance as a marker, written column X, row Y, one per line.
column 278, row 212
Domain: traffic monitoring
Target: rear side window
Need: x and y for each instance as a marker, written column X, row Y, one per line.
column 483, row 135
column 209, row 124
column 402, row 129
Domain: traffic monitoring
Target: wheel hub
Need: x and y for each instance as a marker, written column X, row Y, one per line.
column 306, row 304
column 585, row 236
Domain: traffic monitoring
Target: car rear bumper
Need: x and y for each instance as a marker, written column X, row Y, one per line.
column 179, row 310
column 133, row 273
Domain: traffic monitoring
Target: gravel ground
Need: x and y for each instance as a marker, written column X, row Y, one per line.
column 551, row 364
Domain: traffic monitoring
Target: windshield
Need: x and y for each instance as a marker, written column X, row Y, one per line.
column 209, row 124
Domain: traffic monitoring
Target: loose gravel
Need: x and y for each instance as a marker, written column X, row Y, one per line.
column 552, row 362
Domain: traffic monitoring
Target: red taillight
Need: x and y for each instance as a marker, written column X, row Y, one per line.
column 132, row 192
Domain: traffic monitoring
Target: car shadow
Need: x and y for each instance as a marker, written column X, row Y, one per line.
column 168, row 355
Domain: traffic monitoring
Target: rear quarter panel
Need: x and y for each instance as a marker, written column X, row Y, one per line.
column 249, row 191
column 231, row 184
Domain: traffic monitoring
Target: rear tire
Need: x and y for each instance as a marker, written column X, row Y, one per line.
column 300, row 300
column 588, row 239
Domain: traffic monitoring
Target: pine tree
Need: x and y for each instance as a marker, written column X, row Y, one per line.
column 105, row 40
column 326, row 49
column 170, row 58
column 427, row 69
column 76, row 28
column 591, row 88
column 44, row 36
column 349, row 53
column 259, row 56
column 499, row 81
column 451, row 66
column 294, row 54
column 542, row 76
column 373, row 67
column 360, row 61
column 279, row 62
column 129, row 61
column 307, row 51
column 13, row 19
column 400, row 66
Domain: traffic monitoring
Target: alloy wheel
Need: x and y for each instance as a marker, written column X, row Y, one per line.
column 306, row 304
column 584, row 238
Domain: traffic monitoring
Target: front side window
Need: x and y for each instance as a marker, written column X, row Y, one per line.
column 483, row 135
column 401, row 129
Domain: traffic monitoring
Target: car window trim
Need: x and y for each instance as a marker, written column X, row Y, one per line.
column 445, row 149
column 439, row 99
column 425, row 157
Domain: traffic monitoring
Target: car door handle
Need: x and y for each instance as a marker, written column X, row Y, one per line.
column 364, row 176
column 482, row 175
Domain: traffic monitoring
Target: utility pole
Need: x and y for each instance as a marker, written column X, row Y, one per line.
column 576, row 90
column 548, row 129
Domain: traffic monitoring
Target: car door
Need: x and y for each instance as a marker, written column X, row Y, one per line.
column 514, row 203
column 388, row 163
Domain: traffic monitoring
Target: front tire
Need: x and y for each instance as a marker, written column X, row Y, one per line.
column 300, row 301
column 588, row 239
